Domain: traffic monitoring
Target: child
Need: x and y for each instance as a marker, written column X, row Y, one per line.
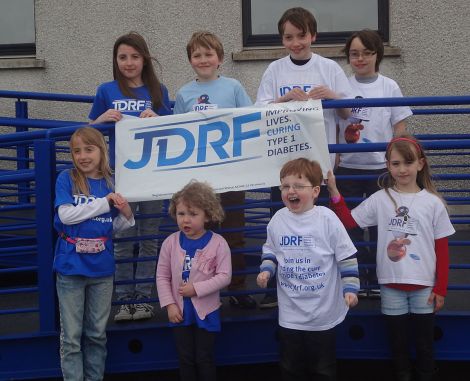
column 193, row 266
column 210, row 90
column 135, row 91
column 364, row 51
column 86, row 214
column 317, row 276
column 412, row 250
column 300, row 76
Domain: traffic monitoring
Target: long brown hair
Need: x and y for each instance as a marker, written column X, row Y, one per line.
column 411, row 149
column 90, row 136
column 149, row 76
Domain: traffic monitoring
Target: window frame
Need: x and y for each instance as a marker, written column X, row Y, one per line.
column 17, row 50
column 250, row 40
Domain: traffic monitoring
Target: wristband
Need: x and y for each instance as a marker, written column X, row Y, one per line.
column 335, row 199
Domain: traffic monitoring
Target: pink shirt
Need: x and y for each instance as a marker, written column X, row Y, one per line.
column 211, row 270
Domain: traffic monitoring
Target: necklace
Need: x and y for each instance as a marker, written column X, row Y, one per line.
column 402, row 210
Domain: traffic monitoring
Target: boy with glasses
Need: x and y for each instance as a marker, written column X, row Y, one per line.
column 317, row 277
column 364, row 51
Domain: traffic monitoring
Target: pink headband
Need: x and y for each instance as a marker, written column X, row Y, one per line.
column 415, row 143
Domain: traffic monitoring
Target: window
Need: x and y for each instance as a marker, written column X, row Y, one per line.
column 17, row 32
column 336, row 19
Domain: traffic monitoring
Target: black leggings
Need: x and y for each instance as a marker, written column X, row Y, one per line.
column 195, row 353
column 422, row 326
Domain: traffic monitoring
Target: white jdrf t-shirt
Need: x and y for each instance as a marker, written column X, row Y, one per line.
column 307, row 247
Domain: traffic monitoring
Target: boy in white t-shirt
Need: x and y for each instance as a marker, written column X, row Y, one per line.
column 317, row 275
column 364, row 51
column 299, row 76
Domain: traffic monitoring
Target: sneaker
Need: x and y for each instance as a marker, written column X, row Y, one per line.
column 243, row 301
column 142, row 311
column 269, row 301
column 124, row 313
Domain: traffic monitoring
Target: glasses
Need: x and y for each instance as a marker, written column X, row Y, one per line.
column 356, row 54
column 296, row 187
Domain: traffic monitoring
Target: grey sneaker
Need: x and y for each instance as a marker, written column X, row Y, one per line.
column 142, row 311
column 269, row 301
column 124, row 313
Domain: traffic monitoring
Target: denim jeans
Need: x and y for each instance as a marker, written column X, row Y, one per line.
column 235, row 219
column 84, row 304
column 398, row 302
column 147, row 248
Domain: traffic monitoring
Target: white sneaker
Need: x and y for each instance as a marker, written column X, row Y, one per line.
column 124, row 313
column 142, row 311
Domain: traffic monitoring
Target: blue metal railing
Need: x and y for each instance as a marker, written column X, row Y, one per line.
column 32, row 184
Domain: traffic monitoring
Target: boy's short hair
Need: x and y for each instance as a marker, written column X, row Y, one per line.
column 371, row 40
column 299, row 17
column 308, row 168
column 207, row 40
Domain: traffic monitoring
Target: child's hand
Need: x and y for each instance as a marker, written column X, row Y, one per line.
column 120, row 203
column 331, row 184
column 322, row 92
column 110, row 115
column 263, row 278
column 437, row 300
column 148, row 113
column 187, row 290
column 174, row 313
column 293, row 95
column 350, row 299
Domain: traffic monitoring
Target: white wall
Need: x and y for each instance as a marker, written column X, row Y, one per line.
column 75, row 38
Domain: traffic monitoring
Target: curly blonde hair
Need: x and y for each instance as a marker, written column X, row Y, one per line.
column 200, row 195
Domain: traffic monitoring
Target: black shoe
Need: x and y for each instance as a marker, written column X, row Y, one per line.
column 243, row 301
column 269, row 301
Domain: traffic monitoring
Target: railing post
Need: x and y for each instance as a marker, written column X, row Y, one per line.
column 112, row 147
column 45, row 172
column 22, row 151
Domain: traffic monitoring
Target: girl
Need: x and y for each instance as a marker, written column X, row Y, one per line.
column 87, row 211
column 135, row 91
column 412, row 250
column 194, row 265
column 364, row 51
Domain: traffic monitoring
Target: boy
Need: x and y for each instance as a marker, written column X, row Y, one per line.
column 210, row 90
column 364, row 51
column 302, row 74
column 299, row 76
column 317, row 275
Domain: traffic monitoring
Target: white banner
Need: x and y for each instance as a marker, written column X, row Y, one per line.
column 231, row 149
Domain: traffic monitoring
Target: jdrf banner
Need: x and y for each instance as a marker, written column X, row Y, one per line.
column 231, row 149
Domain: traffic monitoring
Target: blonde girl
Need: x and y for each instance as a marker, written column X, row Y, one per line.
column 87, row 212
column 193, row 266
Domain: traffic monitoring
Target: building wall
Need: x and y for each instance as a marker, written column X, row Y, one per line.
column 75, row 39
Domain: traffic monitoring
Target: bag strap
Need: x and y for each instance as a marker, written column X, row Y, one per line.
column 73, row 241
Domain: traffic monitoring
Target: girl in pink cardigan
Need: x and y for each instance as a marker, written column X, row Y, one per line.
column 194, row 265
